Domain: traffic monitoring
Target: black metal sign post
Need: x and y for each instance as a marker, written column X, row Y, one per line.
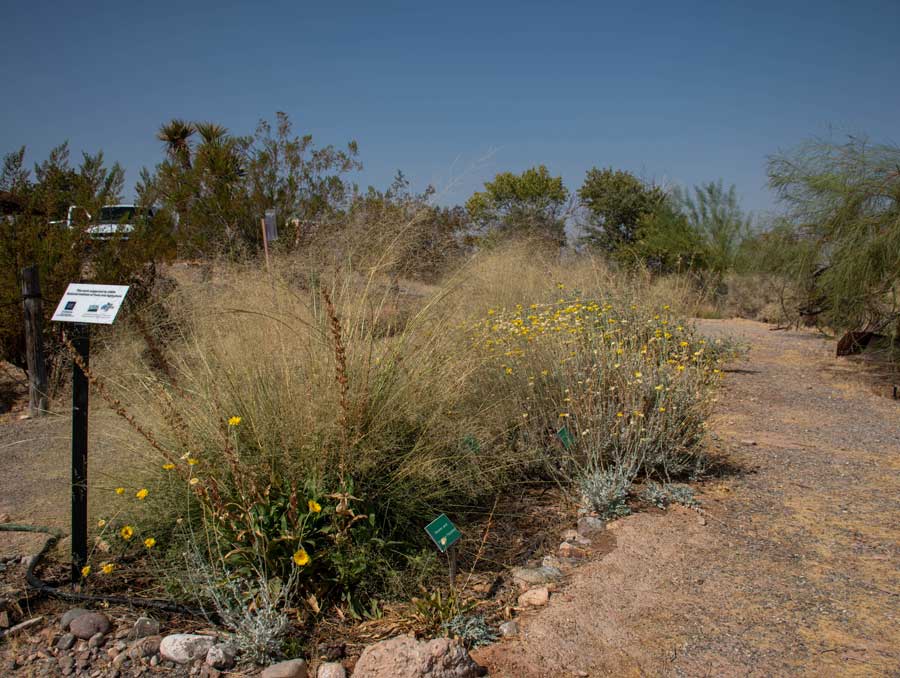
column 84, row 304
column 81, row 340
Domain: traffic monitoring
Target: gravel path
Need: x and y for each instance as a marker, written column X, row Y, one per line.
column 796, row 571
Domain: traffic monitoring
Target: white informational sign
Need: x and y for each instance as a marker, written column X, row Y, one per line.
column 271, row 226
column 96, row 304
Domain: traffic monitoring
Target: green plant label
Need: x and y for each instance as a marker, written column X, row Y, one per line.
column 443, row 532
column 565, row 437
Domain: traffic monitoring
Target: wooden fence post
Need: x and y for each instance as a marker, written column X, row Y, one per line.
column 32, row 303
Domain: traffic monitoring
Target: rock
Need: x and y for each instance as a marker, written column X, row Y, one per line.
column 293, row 668
column 69, row 616
column 535, row 597
column 331, row 670
column 749, row 443
column 144, row 647
column 66, row 641
column 332, row 651
column 143, row 627
column 89, row 624
column 96, row 640
column 183, row 648
column 5, row 518
column 405, row 657
column 509, row 629
column 220, row 657
column 588, row 526
column 535, row 576
column 569, row 550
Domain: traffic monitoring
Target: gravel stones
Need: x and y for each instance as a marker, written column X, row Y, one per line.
column 293, row 668
column 535, row 597
column 589, row 526
column 535, row 576
column 220, row 657
column 509, row 629
column 88, row 624
column 69, row 616
column 405, row 657
column 331, row 670
column 143, row 627
column 183, row 648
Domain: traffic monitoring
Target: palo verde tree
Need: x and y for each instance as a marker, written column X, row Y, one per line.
column 615, row 202
column 844, row 199
column 719, row 224
column 530, row 204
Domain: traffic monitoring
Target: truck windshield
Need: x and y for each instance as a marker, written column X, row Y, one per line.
column 115, row 215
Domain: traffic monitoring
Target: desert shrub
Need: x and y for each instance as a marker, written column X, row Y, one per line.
column 308, row 442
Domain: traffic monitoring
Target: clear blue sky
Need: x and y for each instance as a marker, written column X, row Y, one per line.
column 451, row 93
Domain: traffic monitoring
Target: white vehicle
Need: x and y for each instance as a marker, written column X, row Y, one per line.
column 114, row 220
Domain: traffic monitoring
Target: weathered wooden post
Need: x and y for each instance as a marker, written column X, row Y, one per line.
column 33, row 306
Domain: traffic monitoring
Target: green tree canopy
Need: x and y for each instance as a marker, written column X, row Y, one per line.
column 615, row 201
column 845, row 200
column 531, row 204
column 219, row 185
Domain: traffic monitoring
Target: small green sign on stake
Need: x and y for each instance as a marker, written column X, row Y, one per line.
column 565, row 437
column 443, row 532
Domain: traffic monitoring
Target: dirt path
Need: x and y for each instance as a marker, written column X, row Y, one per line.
column 795, row 573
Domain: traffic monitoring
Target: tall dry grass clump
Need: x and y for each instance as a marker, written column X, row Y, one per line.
column 321, row 419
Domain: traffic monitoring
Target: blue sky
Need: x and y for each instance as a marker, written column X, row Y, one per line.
column 452, row 93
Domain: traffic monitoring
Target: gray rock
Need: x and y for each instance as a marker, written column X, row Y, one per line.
column 143, row 627
column 89, row 624
column 144, row 647
column 66, row 641
column 509, row 629
column 183, row 648
column 96, row 640
column 293, row 668
column 220, row 656
column 405, row 657
column 331, row 670
column 69, row 616
column 535, row 576
column 588, row 526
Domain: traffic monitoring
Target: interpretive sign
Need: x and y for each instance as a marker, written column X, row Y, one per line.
column 96, row 304
column 443, row 532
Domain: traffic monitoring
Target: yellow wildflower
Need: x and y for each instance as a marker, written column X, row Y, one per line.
column 127, row 532
column 300, row 558
column 107, row 568
column 142, row 493
column 234, row 421
column 120, row 490
column 192, row 462
column 149, row 542
column 168, row 467
column 314, row 506
column 101, row 523
column 85, row 571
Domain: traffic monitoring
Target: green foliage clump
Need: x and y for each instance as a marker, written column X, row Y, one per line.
column 532, row 204
column 616, row 202
column 33, row 231
column 843, row 204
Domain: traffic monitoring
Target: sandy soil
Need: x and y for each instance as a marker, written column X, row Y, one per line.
column 796, row 571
